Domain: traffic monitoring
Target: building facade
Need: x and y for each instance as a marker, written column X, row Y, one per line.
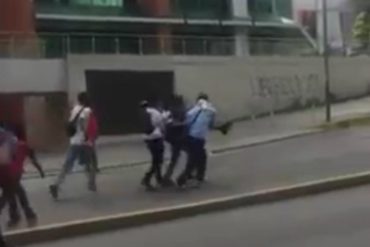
column 35, row 93
column 185, row 27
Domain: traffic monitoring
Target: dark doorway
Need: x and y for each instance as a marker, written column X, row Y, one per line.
column 116, row 96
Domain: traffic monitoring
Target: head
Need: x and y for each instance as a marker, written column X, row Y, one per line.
column 203, row 96
column 144, row 104
column 83, row 99
column 153, row 101
column 17, row 131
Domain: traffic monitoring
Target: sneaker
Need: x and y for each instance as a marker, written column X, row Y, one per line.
column 32, row 220
column 168, row 183
column 13, row 223
column 150, row 188
column 181, row 182
column 54, row 191
column 92, row 188
column 147, row 185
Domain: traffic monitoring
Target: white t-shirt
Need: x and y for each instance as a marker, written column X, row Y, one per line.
column 81, row 124
column 158, row 121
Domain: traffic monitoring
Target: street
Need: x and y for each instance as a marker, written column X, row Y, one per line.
column 268, row 166
column 338, row 219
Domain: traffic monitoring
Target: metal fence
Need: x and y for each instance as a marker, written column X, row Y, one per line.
column 59, row 45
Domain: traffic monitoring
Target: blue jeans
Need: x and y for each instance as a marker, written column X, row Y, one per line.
column 84, row 155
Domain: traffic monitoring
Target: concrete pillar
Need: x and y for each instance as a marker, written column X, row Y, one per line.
column 159, row 8
column 241, row 42
column 240, row 11
column 17, row 27
column 240, row 8
column 156, row 8
column 16, row 16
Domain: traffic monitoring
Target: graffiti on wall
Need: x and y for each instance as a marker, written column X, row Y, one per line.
column 287, row 86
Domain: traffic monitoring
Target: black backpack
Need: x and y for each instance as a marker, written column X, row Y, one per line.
column 71, row 127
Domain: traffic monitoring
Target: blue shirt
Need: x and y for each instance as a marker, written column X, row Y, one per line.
column 200, row 119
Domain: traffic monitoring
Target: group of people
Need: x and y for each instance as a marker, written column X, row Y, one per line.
column 185, row 130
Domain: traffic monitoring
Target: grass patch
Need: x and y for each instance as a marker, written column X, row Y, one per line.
column 348, row 123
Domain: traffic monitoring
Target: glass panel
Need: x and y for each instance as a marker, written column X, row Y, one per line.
column 81, row 44
column 129, row 45
column 110, row 3
column 53, row 46
column 105, row 45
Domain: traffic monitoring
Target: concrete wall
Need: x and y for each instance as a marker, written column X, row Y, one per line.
column 32, row 76
column 240, row 86
column 237, row 86
column 253, row 86
column 350, row 77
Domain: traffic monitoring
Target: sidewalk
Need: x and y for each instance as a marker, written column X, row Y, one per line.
column 130, row 150
column 262, row 167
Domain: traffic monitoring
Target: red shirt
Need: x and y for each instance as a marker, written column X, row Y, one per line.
column 92, row 128
column 21, row 154
column 14, row 171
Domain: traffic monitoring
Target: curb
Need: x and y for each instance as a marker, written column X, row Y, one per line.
column 214, row 151
column 135, row 219
column 297, row 134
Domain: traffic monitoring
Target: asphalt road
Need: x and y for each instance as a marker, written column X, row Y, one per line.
column 338, row 219
column 267, row 166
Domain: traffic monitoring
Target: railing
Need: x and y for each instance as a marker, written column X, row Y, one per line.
column 175, row 8
column 281, row 46
column 49, row 45
column 58, row 45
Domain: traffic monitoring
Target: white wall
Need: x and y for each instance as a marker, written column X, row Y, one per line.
column 252, row 86
column 32, row 76
column 237, row 86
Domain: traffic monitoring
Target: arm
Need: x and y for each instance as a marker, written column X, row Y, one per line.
column 35, row 163
column 213, row 121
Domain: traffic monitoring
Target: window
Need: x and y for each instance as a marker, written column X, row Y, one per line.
column 261, row 6
column 104, row 3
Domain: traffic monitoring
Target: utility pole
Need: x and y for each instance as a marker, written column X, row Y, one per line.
column 326, row 60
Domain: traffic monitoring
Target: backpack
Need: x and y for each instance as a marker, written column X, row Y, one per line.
column 92, row 127
column 71, row 128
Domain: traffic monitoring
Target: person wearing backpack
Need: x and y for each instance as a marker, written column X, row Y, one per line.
column 200, row 120
column 80, row 149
